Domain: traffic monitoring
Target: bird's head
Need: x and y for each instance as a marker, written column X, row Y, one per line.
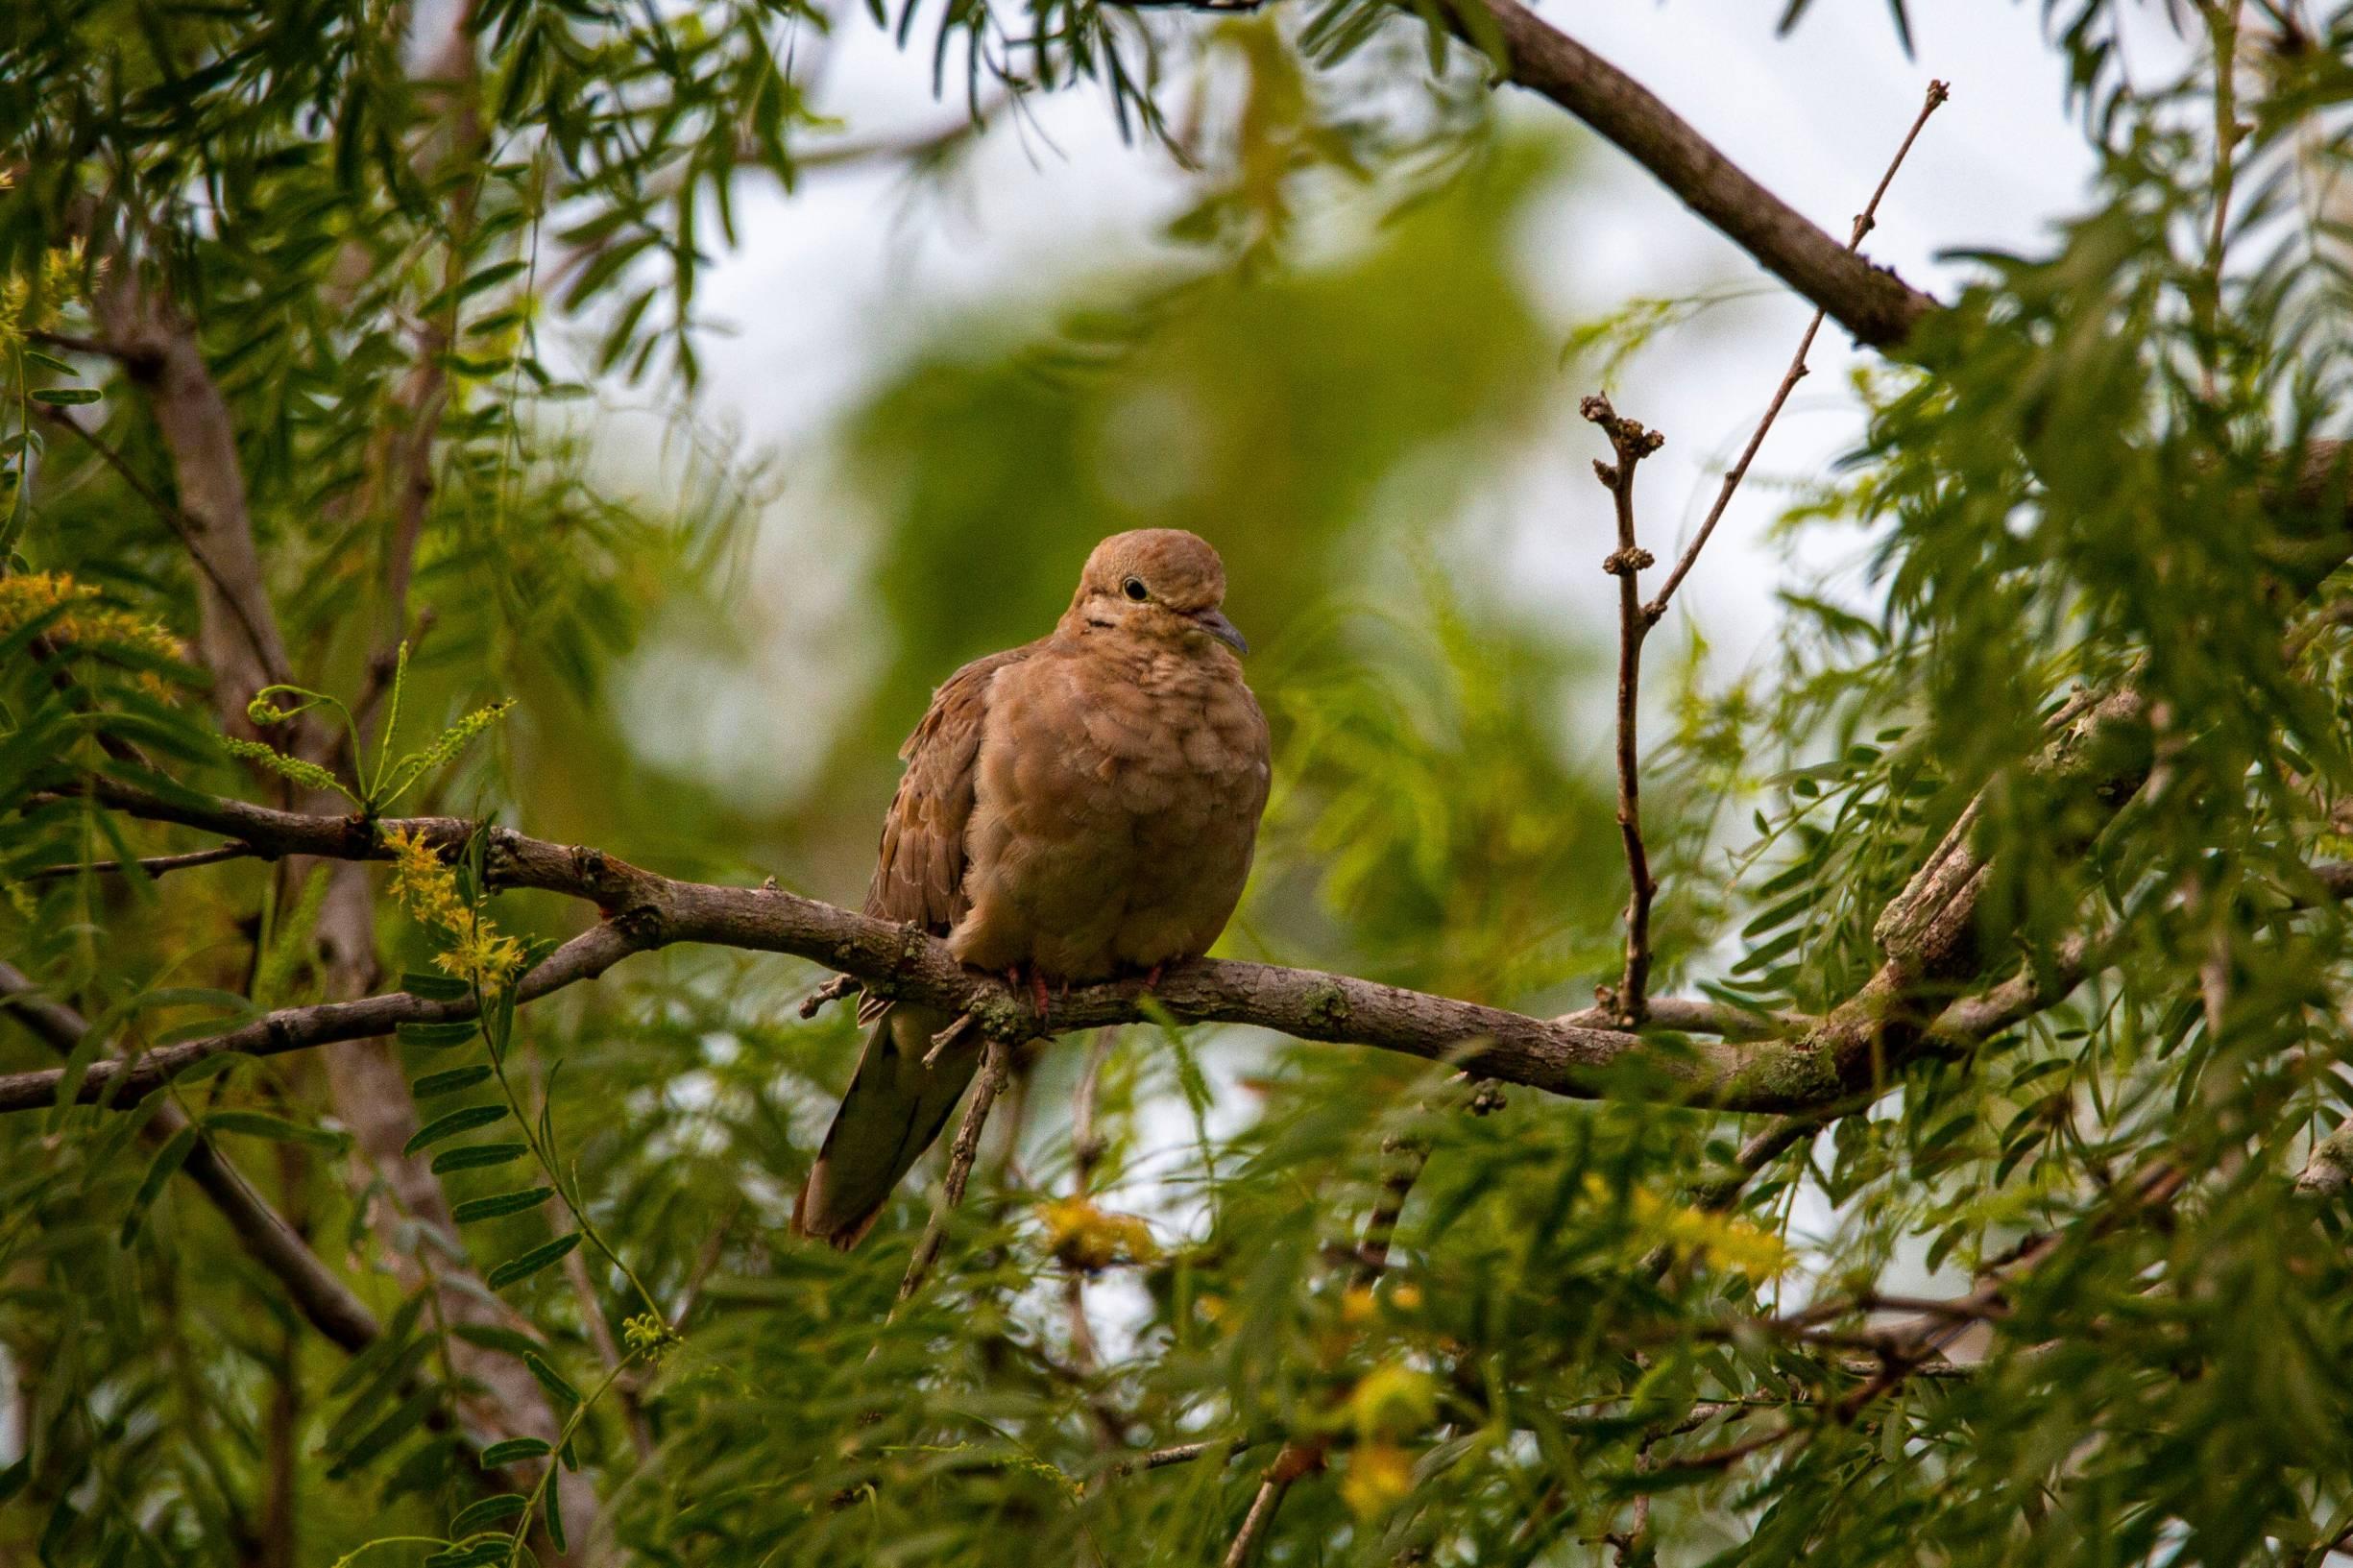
column 1159, row 584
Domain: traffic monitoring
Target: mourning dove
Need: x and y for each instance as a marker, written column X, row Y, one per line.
column 1074, row 810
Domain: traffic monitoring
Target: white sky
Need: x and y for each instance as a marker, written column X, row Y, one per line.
column 834, row 285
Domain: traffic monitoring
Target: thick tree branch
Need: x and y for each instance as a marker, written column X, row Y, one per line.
column 236, row 630
column 1835, row 1062
column 648, row 911
column 1872, row 302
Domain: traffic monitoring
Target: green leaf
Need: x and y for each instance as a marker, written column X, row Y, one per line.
column 437, row 1036
column 388, row 1381
column 64, row 397
column 448, row 1082
column 478, row 1157
column 551, row 1380
column 261, row 1125
column 168, row 1159
column 551, row 1506
column 445, row 1127
column 516, row 1270
column 508, row 1450
column 491, row 1337
column 379, row 1350
column 209, row 1067
column 488, row 1512
column 505, row 1204
column 433, row 987
column 377, row 1438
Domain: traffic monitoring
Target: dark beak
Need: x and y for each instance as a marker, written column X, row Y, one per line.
column 1215, row 624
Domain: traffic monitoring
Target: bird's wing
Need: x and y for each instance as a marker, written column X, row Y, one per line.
column 919, row 871
column 897, row 1101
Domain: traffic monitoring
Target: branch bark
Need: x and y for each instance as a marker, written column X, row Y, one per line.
column 237, row 632
column 1872, row 302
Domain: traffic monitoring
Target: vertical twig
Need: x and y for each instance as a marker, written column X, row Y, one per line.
column 1864, row 222
column 1087, row 1149
column 1262, row 1507
column 1631, row 443
column 995, row 1061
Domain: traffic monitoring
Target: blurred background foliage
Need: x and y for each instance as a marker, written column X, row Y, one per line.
column 2077, row 482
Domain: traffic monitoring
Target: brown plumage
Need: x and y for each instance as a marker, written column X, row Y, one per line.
column 1076, row 809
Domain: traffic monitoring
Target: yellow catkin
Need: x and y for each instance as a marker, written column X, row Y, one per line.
column 426, row 887
column 1081, row 1235
column 28, row 595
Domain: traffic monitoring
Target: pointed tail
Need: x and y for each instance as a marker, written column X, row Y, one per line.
column 894, row 1111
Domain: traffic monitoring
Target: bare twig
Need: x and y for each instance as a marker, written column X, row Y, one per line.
column 154, row 865
column 1086, row 1148
column 996, row 1061
column 947, row 1037
column 831, row 991
column 1631, row 443
column 1864, row 222
column 1161, row 1459
column 706, row 1259
column 75, row 343
column 1261, row 1515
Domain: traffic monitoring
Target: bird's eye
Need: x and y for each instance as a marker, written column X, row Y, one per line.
column 1134, row 589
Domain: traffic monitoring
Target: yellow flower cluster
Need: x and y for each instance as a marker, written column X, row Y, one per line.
column 1380, row 1476
column 28, row 595
column 1718, row 1239
column 426, row 887
column 65, row 272
column 1391, row 1401
column 1080, row 1236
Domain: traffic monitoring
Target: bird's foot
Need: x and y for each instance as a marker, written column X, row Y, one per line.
column 1036, row 979
column 1152, row 977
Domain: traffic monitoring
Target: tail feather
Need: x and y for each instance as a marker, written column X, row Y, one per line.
column 896, row 1110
